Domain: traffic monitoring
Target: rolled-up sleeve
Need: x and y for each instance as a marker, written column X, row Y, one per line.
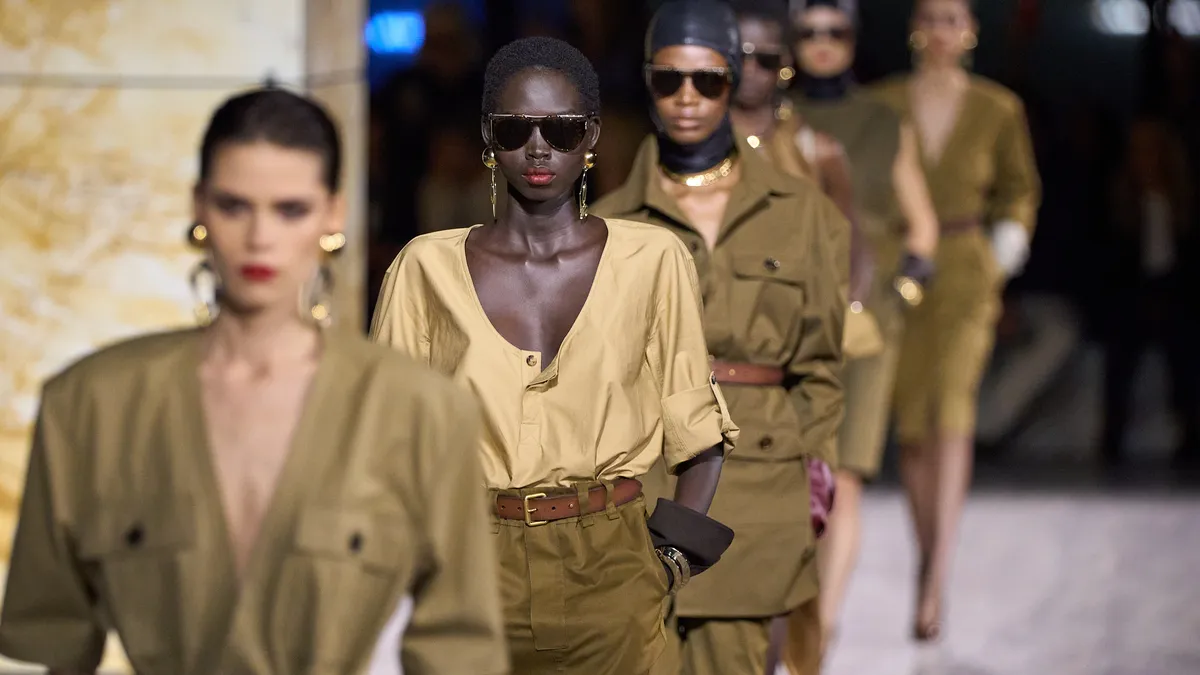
column 399, row 320
column 49, row 615
column 457, row 626
column 695, row 415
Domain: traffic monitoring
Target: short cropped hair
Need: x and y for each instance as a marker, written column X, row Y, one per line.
column 540, row 53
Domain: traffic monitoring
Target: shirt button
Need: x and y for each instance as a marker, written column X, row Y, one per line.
column 694, row 245
column 766, row 442
column 531, row 360
column 356, row 542
column 771, row 264
column 134, row 536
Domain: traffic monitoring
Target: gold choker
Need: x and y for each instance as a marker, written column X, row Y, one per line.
column 704, row 179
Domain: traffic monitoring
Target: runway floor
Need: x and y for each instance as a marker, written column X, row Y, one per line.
column 1073, row 583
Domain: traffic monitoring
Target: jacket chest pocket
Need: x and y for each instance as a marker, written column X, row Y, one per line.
column 768, row 296
column 343, row 575
column 133, row 554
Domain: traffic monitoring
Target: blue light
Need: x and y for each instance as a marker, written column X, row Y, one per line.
column 400, row 33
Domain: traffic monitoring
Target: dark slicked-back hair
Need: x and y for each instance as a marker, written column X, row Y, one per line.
column 541, row 53
column 278, row 117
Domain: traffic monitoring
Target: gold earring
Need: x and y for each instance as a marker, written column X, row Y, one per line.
column 489, row 160
column 333, row 243
column 918, row 41
column 589, row 160
column 786, row 74
column 197, row 235
column 206, row 289
column 317, row 303
column 969, row 40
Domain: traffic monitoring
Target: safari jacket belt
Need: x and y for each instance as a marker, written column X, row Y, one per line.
column 540, row 508
column 959, row 225
column 747, row 373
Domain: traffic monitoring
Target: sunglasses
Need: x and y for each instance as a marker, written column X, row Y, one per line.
column 840, row 34
column 564, row 133
column 711, row 83
column 768, row 59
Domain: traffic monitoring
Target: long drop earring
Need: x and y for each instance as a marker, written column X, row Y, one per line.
column 589, row 160
column 917, row 42
column 204, row 281
column 969, row 42
column 489, row 160
column 318, row 300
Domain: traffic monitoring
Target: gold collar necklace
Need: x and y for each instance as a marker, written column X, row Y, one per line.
column 704, row 178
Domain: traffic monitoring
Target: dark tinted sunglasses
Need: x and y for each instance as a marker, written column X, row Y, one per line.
column 562, row 132
column 836, row 34
column 767, row 59
column 711, row 83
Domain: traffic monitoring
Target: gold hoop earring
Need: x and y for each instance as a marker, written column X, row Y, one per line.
column 316, row 302
column 206, row 290
column 333, row 243
column 784, row 79
column 489, row 160
column 969, row 40
column 197, row 236
column 918, row 41
column 589, row 160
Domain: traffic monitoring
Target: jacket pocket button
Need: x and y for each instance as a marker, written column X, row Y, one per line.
column 356, row 542
column 766, row 443
column 134, row 536
column 771, row 264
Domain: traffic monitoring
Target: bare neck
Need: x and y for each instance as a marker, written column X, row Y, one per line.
column 942, row 76
column 262, row 342
column 539, row 227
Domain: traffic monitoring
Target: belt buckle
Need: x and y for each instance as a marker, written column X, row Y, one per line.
column 530, row 509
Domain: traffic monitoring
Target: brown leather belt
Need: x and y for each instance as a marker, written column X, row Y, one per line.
column 959, row 226
column 540, row 508
column 747, row 373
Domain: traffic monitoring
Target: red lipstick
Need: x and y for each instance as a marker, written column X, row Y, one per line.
column 539, row 176
column 258, row 273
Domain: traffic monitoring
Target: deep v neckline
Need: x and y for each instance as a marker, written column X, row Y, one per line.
column 955, row 127
column 587, row 302
column 303, row 438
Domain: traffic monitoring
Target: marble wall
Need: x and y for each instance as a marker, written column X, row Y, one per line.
column 102, row 104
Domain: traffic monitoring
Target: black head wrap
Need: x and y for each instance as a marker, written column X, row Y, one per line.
column 836, row 86
column 702, row 23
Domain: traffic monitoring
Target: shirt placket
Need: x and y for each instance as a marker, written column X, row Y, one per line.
column 531, row 404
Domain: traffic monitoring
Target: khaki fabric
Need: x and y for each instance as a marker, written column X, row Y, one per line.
column 772, row 296
column 869, row 380
column 721, row 646
column 948, row 340
column 986, row 172
column 122, row 525
column 802, row 653
column 584, row 596
column 631, row 383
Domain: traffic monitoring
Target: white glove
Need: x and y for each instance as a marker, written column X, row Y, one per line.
column 1010, row 245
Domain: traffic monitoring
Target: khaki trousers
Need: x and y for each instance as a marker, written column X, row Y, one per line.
column 584, row 595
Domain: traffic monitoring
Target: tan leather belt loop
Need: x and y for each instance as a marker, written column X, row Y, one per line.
column 959, row 226
column 540, row 508
column 747, row 374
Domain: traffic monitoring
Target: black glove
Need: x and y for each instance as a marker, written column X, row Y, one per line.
column 917, row 268
column 697, row 536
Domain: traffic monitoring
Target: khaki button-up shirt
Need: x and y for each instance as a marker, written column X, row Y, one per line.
column 772, row 296
column 122, row 526
column 631, row 383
